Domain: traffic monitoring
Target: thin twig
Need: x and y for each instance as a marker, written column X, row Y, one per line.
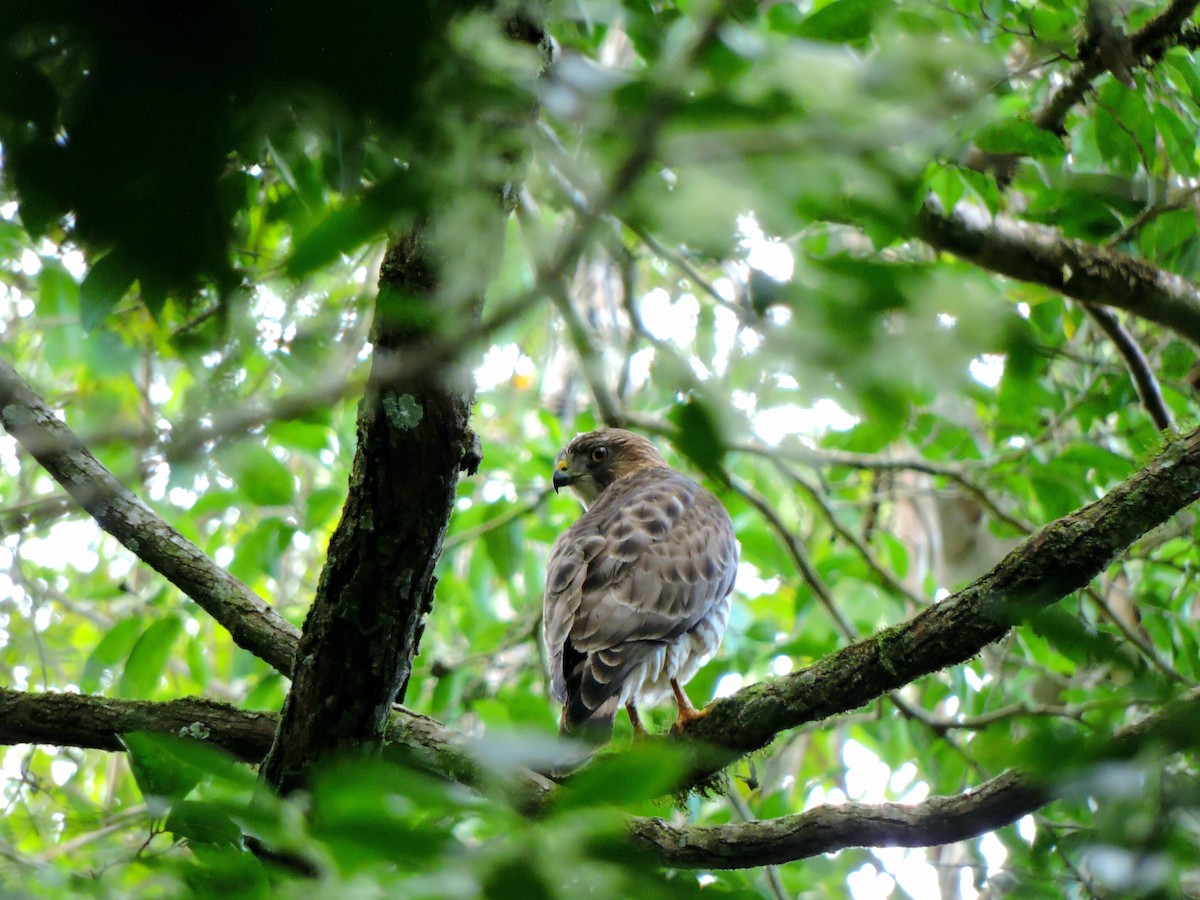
column 1139, row 643
column 1144, row 380
column 889, row 580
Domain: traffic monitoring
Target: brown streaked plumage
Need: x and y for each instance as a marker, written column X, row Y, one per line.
column 637, row 590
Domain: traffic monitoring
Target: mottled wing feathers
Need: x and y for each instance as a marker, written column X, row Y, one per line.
column 650, row 558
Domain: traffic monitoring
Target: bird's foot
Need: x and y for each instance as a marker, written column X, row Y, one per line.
column 639, row 730
column 687, row 712
column 687, row 715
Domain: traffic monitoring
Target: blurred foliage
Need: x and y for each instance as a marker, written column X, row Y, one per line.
column 191, row 222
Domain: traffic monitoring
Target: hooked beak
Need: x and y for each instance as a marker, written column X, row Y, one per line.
column 562, row 475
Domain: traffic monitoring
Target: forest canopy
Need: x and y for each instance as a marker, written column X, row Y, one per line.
column 299, row 304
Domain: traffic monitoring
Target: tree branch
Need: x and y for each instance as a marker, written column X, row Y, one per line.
column 827, row 829
column 1144, row 380
column 96, row 723
column 34, row 513
column 937, row 820
column 1152, row 39
column 253, row 624
column 1060, row 558
column 1041, row 255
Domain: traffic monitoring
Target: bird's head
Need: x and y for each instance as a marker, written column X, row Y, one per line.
column 594, row 460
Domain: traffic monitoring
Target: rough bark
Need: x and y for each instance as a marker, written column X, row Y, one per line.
column 253, row 624
column 69, row 719
column 96, row 723
column 1076, row 269
column 827, row 829
column 938, row 820
column 81, row 720
column 1060, row 558
column 365, row 624
column 1056, row 560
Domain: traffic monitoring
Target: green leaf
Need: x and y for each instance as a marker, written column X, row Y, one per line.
column 260, row 476
column 201, row 822
column 1178, row 139
column 698, row 436
column 1019, row 136
column 356, row 223
column 104, row 352
column 641, row 773
column 312, row 437
column 1124, row 127
column 259, row 552
column 946, row 184
column 148, row 659
column 13, row 240
column 214, row 501
column 843, row 21
column 1189, row 657
column 320, row 507
column 197, row 660
column 157, row 767
column 113, row 648
column 1079, row 642
column 1187, row 75
column 1057, row 491
column 58, row 298
column 106, row 282
column 504, row 545
column 221, row 870
column 1167, row 234
column 267, row 695
column 517, row 878
column 371, row 810
column 58, row 292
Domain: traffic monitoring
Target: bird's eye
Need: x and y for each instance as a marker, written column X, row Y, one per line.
column 600, row 454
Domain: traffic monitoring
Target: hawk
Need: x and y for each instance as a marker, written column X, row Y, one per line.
column 637, row 590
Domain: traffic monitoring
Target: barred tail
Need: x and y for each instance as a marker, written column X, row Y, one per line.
column 592, row 726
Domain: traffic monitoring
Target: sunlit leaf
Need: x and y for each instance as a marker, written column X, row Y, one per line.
column 147, row 660
column 1018, row 136
column 261, row 477
column 114, row 647
column 842, row 20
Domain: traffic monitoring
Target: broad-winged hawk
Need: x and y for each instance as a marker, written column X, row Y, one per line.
column 637, row 590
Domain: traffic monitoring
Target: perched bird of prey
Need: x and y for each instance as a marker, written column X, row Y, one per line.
column 637, row 590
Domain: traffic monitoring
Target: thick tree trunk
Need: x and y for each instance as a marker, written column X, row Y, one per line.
column 365, row 625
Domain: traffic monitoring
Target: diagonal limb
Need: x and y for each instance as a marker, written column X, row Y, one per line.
column 254, row 625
